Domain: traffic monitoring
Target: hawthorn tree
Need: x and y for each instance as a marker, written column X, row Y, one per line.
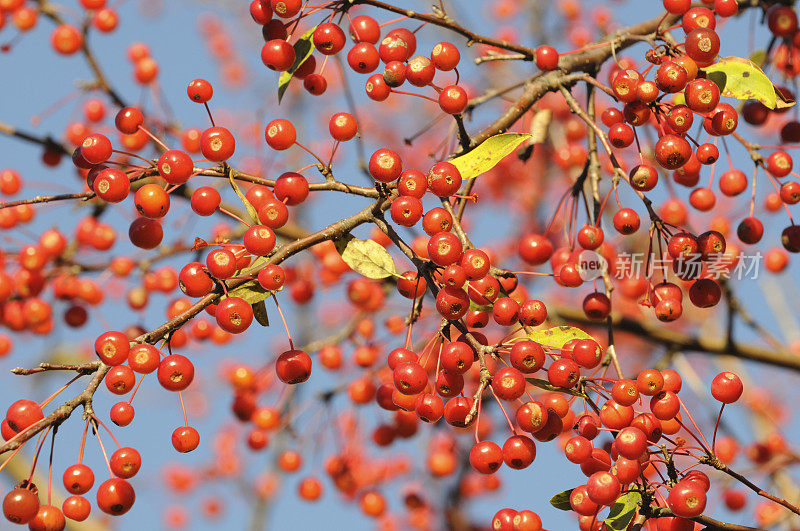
column 434, row 241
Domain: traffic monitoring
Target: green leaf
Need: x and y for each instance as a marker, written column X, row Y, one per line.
column 260, row 313
column 251, row 210
column 302, row 50
column 561, row 500
column 744, row 80
column 547, row 386
column 475, row 307
column 623, row 511
column 367, row 257
column 558, row 336
column 486, row 156
column 251, row 292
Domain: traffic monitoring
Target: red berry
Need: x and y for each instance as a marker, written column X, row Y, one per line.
column 291, row 188
column 76, row 508
column 112, row 348
column 686, row 499
column 527, row 356
column 151, row 201
column 293, row 366
column 200, row 91
column 410, row 378
column 66, row 39
column 672, row 151
column 406, row 211
column 271, row 277
column 385, row 165
column 78, row 479
column 445, row 56
column 343, row 126
column 115, row 496
column 782, row 21
column 702, row 45
column 205, row 200
column 20, row 506
column 364, row 29
column 259, row 240
column 563, row 373
column 444, row 248
column 260, row 11
column 603, row 488
column 47, row 518
column 444, row 179
column 286, row 8
column 122, row 413
column 519, row 451
column 280, row 134
column 278, row 55
column 185, row 439
column 546, row 58
column 234, row 315
column 315, row 84
column 677, row 7
column 96, row 149
column 175, row 166
column 453, row 99
column 328, row 38
column 726, row 387
column 217, row 144
column 452, row 303
column 486, row 457
column 125, row 462
column 779, row 163
column 175, row 372
column 363, row 58
column 508, row 383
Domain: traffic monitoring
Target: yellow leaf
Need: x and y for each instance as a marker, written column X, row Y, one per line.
column 556, row 337
column 486, row 156
column 744, row 80
column 367, row 257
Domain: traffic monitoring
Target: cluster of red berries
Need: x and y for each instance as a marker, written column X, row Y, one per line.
column 396, row 51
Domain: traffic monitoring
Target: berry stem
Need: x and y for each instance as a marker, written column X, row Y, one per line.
column 183, row 409
column 102, row 448
column 412, row 94
column 83, row 442
column 51, row 397
column 38, row 450
column 283, row 319
column 510, row 424
column 210, row 117
column 234, row 216
column 716, row 426
column 50, row 468
column 301, row 146
column 133, row 394
column 134, row 155
column 146, row 131
column 393, row 21
column 109, row 432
